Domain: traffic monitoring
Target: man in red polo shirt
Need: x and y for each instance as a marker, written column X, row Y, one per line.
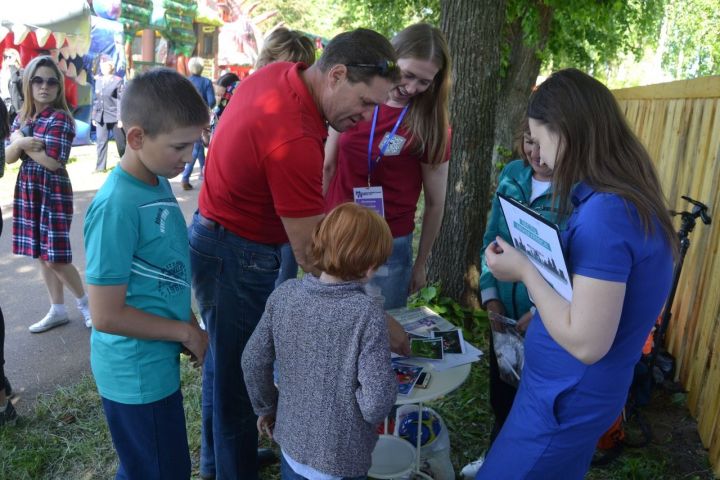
column 263, row 188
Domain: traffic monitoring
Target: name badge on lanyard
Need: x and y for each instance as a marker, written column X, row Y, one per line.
column 372, row 197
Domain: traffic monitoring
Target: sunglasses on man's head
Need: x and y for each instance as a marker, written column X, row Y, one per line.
column 50, row 82
column 384, row 67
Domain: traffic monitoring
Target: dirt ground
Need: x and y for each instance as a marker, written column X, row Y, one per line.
column 675, row 451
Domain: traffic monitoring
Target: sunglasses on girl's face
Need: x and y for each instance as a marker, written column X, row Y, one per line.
column 50, row 82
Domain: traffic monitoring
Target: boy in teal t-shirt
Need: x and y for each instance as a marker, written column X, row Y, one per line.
column 138, row 275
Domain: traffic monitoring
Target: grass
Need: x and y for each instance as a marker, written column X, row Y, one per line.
column 65, row 436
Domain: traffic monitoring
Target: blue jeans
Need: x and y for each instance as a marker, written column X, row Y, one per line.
column 287, row 473
column 150, row 439
column 288, row 265
column 393, row 278
column 198, row 153
column 232, row 278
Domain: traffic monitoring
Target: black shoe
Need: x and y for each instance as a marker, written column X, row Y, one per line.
column 8, row 388
column 266, row 457
column 8, row 415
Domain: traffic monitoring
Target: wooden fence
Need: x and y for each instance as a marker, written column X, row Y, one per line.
column 679, row 123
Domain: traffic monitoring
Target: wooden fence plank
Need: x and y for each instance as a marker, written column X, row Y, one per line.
column 679, row 123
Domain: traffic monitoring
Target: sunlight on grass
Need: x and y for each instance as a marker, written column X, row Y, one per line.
column 66, row 437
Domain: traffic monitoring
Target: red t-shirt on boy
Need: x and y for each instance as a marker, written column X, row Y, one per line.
column 266, row 157
column 398, row 172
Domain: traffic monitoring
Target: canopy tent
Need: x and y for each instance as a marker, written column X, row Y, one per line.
column 62, row 30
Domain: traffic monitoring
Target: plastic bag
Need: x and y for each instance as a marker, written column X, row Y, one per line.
column 509, row 348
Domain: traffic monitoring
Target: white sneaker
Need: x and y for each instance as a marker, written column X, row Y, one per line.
column 470, row 470
column 86, row 315
column 51, row 320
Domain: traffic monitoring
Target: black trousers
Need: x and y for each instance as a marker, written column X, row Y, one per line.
column 502, row 394
column 102, row 132
column 2, row 337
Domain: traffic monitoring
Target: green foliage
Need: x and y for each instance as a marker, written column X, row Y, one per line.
column 311, row 16
column 387, row 16
column 588, row 34
column 679, row 399
column 692, row 33
column 431, row 297
column 330, row 17
column 504, row 156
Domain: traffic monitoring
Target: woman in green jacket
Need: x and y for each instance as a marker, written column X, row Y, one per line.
column 528, row 182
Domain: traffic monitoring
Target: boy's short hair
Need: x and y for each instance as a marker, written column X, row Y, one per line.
column 349, row 241
column 161, row 100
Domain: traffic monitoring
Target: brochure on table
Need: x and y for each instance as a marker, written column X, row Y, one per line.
column 407, row 376
column 539, row 240
column 423, row 325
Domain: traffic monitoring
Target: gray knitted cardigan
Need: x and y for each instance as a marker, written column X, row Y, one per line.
column 335, row 379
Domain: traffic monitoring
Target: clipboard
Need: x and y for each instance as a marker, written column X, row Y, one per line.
column 539, row 239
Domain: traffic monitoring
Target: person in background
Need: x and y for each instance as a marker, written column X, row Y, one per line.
column 11, row 82
column 42, row 136
column 106, row 111
column 223, row 88
column 283, row 45
column 138, row 272
column 262, row 189
column 619, row 244
column 119, row 59
column 333, row 315
column 7, row 410
column 527, row 181
column 205, row 88
column 409, row 141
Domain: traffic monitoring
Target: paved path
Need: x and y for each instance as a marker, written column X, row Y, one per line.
column 38, row 363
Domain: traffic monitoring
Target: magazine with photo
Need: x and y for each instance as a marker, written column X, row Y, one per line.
column 539, row 240
column 420, row 321
column 407, row 376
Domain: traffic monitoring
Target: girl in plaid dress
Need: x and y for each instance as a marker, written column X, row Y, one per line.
column 43, row 208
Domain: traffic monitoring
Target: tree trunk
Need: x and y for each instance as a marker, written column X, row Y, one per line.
column 473, row 29
column 523, row 68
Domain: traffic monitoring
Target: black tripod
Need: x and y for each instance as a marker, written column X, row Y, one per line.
column 688, row 224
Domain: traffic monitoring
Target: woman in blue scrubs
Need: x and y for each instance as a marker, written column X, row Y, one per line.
column 619, row 245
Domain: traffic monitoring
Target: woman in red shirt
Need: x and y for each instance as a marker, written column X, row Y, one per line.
column 385, row 163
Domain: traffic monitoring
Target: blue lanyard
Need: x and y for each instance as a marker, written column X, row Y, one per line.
column 387, row 141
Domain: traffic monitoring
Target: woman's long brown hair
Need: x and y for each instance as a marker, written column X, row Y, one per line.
column 428, row 118
column 598, row 147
